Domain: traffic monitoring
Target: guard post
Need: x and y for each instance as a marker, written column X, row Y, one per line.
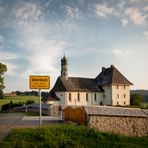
column 39, row 82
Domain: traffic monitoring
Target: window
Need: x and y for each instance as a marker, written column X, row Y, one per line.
column 124, row 103
column 124, row 87
column 117, row 103
column 70, row 97
column 104, row 96
column 78, row 97
column 124, row 95
column 117, row 86
column 117, row 96
column 87, row 97
column 95, row 97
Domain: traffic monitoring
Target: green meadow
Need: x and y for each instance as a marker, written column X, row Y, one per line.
column 17, row 99
column 69, row 136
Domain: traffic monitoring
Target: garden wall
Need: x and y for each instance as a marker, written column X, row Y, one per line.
column 126, row 121
column 134, row 126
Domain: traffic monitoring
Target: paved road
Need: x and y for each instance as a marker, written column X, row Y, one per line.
column 10, row 121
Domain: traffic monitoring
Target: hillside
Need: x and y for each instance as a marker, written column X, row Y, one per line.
column 144, row 93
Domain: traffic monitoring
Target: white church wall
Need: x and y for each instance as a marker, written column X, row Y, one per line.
column 62, row 96
column 83, row 99
column 121, row 95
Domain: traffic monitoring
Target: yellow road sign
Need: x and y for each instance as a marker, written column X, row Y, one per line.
column 39, row 82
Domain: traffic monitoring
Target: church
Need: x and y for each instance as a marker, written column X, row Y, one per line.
column 110, row 87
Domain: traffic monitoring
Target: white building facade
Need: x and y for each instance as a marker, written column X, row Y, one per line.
column 110, row 87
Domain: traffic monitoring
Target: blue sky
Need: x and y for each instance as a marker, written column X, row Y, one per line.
column 34, row 34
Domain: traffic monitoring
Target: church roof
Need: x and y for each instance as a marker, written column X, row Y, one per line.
column 76, row 84
column 111, row 76
column 51, row 96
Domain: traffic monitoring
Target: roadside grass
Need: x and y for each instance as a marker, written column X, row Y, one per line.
column 16, row 99
column 68, row 136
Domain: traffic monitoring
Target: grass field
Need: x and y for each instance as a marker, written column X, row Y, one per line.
column 17, row 99
column 69, row 136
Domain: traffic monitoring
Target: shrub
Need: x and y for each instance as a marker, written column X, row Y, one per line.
column 11, row 105
column 5, row 107
column 29, row 102
column 136, row 99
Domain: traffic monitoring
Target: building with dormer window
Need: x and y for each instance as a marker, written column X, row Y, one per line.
column 110, row 87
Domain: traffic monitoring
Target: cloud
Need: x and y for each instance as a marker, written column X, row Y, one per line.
column 7, row 55
column 135, row 15
column 145, row 8
column 103, row 9
column 124, row 22
column 26, row 12
column 1, row 39
column 12, row 69
column 1, row 10
column 121, row 52
column 123, row 10
column 44, row 53
column 20, row 13
column 41, row 50
column 72, row 12
column 80, row 52
column 146, row 35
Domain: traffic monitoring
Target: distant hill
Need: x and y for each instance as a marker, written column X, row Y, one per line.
column 144, row 94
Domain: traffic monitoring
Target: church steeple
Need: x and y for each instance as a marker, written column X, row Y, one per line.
column 64, row 67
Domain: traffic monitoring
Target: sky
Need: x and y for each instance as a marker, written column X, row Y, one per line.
column 35, row 34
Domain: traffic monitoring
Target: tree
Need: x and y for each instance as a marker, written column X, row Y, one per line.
column 3, row 68
column 136, row 99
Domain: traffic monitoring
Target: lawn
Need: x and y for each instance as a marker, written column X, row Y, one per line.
column 17, row 99
column 69, row 136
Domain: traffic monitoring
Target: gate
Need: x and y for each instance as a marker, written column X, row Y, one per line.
column 76, row 115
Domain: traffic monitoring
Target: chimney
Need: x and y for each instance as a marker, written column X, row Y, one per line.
column 111, row 66
column 103, row 68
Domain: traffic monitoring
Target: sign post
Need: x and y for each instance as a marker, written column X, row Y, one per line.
column 39, row 82
column 40, row 108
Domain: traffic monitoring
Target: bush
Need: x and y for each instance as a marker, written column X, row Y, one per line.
column 136, row 99
column 5, row 107
column 1, row 94
column 11, row 105
column 29, row 102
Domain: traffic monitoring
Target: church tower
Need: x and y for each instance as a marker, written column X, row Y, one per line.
column 64, row 67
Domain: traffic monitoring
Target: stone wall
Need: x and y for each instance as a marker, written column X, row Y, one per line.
column 55, row 111
column 133, row 126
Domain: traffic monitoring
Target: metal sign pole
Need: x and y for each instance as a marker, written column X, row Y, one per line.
column 40, row 108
